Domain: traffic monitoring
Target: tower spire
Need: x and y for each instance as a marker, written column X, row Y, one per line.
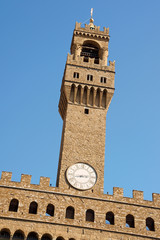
column 91, row 20
column 91, row 12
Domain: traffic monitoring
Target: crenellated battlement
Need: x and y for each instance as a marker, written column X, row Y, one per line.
column 79, row 60
column 47, row 206
column 137, row 196
column 95, row 31
column 25, row 182
column 44, row 186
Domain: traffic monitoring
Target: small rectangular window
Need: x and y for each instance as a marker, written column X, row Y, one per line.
column 103, row 80
column 90, row 77
column 76, row 75
column 86, row 111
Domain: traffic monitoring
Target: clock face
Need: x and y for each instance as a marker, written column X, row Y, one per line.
column 81, row 176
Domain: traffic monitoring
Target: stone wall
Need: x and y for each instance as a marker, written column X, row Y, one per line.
column 77, row 228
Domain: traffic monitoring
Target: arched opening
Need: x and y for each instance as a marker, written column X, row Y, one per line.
column 32, row 236
column 18, row 235
column 72, row 93
column 71, row 238
column 130, row 221
column 4, row 234
column 110, row 218
column 46, row 237
column 59, row 238
column 97, row 101
column 70, row 212
column 78, row 97
column 104, row 96
column 90, row 50
column 85, row 95
column 90, row 215
column 13, row 207
column 91, row 96
column 150, row 224
column 33, row 208
column 50, row 210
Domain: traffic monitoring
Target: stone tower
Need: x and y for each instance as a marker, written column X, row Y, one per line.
column 77, row 208
column 86, row 92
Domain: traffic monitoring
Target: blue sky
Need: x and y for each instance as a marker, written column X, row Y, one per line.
column 35, row 39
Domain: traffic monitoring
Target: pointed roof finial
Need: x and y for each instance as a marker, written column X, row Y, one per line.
column 91, row 12
column 91, row 20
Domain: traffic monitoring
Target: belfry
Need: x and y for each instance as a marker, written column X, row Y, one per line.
column 77, row 208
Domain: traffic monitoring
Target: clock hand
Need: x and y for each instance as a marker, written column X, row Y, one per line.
column 81, row 176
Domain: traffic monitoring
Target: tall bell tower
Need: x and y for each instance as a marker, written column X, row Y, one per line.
column 86, row 92
column 77, row 209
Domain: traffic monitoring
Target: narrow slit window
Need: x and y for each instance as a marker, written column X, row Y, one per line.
column 90, row 77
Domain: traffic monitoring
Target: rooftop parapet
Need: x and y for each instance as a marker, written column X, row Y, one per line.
column 88, row 29
column 25, row 182
column 79, row 60
column 44, row 185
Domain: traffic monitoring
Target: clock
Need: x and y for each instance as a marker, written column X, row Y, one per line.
column 81, row 176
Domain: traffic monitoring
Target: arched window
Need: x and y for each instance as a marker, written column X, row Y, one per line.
column 150, row 224
column 78, row 97
column 90, row 50
column 59, row 238
column 110, row 218
column 85, row 95
column 46, row 237
column 13, row 207
column 32, row 236
column 97, row 101
column 91, row 96
column 71, row 238
column 90, row 215
column 4, row 234
column 70, row 212
column 130, row 221
column 50, row 210
column 72, row 93
column 18, row 235
column 104, row 96
column 33, row 208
